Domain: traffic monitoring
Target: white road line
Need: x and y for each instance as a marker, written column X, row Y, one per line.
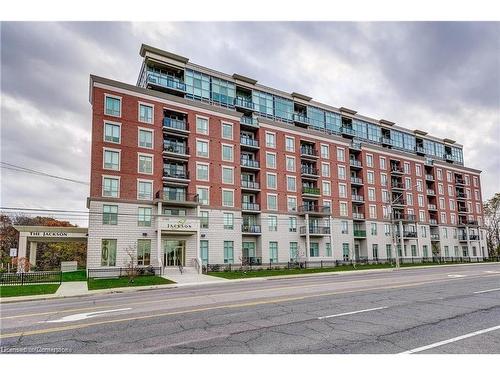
column 491, row 271
column 75, row 317
column 486, row 291
column 455, row 275
column 441, row 343
column 352, row 312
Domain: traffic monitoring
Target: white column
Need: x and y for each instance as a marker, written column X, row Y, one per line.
column 33, row 248
column 158, row 235
column 401, row 237
column 308, row 244
column 331, row 235
column 198, row 255
column 468, row 240
column 22, row 247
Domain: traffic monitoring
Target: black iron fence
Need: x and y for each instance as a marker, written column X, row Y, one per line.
column 123, row 271
column 226, row 267
column 23, row 278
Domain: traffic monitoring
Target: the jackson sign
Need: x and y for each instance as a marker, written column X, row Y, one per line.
column 179, row 225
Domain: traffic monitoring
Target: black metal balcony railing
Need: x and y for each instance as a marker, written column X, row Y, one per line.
column 359, row 233
column 347, row 131
column 250, row 163
column 461, row 196
column 246, row 120
column 314, row 208
column 431, row 192
column 251, row 228
column 303, row 119
column 433, row 221
column 243, row 103
column 462, row 209
column 355, row 146
column 396, row 169
column 313, row 229
column 166, row 81
column 250, row 184
column 247, row 141
column 459, row 181
column 419, row 150
column 309, row 170
column 177, row 196
column 397, row 186
column 409, row 234
column 176, row 173
column 356, row 180
column 310, row 190
column 358, row 215
column 176, row 148
column 250, row 206
column 404, row 217
column 432, row 207
column 172, row 123
column 357, row 198
column 355, row 163
column 465, row 222
column 429, row 177
column 308, row 151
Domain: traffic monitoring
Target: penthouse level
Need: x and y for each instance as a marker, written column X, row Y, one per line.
column 174, row 74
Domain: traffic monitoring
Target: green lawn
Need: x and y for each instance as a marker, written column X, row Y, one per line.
column 80, row 275
column 27, row 290
column 120, row 282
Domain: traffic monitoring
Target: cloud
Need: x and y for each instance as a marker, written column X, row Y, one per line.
column 443, row 78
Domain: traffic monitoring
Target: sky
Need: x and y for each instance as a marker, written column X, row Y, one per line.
column 443, row 78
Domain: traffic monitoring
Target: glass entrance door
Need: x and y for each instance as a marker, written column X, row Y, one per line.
column 174, row 252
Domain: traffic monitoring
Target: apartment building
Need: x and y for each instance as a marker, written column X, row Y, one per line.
column 193, row 166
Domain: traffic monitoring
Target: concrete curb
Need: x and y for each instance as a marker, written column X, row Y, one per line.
column 222, row 281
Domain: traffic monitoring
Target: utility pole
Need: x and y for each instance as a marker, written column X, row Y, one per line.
column 393, row 230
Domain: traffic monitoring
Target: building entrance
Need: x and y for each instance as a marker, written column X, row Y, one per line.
column 174, row 253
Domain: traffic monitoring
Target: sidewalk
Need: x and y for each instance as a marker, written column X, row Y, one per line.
column 72, row 288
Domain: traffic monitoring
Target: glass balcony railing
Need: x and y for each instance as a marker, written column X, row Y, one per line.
column 434, row 236
column 250, row 121
column 309, row 170
column 310, row 190
column 433, row 221
column 243, row 103
column 358, row 215
column 386, row 141
column 313, row 229
column 176, row 195
column 176, row 148
column 166, row 81
column 251, row 228
column 249, row 163
column 347, row 131
column 419, row 150
column 355, row 163
column 314, row 208
column 247, row 141
column 250, row 206
column 432, row 207
column 356, row 180
column 429, row 177
column 298, row 117
column 359, row 233
column 397, row 186
column 171, row 123
column 431, row 192
column 396, row 169
column 308, row 151
column 250, row 184
column 176, row 173
column 357, row 198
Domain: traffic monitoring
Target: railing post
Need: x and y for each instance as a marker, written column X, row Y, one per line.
column 321, row 263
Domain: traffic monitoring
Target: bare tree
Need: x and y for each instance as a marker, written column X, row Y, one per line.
column 492, row 224
column 131, row 263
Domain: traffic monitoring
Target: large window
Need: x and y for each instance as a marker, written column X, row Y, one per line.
column 273, row 252
column 345, row 251
column 113, row 106
column 223, row 92
column 110, row 187
column 144, row 190
column 146, row 113
column 374, row 133
column 108, row 253
column 110, row 214
column 229, row 252
column 204, row 252
column 263, row 103
column 197, row 85
column 144, row 215
column 203, row 196
column 227, row 198
column 143, row 252
column 227, row 152
column 316, row 117
column 333, row 122
column 273, row 223
column 112, row 132
column 202, row 148
column 145, row 138
column 112, row 160
column 228, row 220
column 145, row 164
column 201, row 125
column 202, row 171
column 283, row 108
column 294, row 251
column 314, row 249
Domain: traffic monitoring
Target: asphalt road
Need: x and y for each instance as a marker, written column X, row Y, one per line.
column 433, row 310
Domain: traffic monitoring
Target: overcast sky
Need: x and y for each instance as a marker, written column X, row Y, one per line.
column 443, row 78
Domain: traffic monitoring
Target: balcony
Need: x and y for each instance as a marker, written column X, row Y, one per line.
column 355, row 146
column 306, row 171
column 470, row 223
column 398, row 202
column 250, row 185
column 176, row 126
column 247, row 142
column 251, row 229
column 247, row 206
column 459, row 181
column 462, row 209
column 396, row 170
column 420, row 150
column 315, row 210
column 449, row 158
column 356, row 180
column 315, row 230
column 433, row 222
column 429, row 177
column 347, row 132
column 358, row 216
column 175, row 174
column 164, row 81
column 431, row 192
column 397, row 216
column 434, row 236
column 462, row 237
column 178, row 198
column 461, row 196
column 307, row 190
column 359, row 233
column 249, row 121
column 301, row 119
column 432, row 207
column 474, row 237
column 177, row 150
column 356, row 198
column 355, row 164
column 243, row 103
column 308, row 153
column 249, row 164
column 409, row 234
column 397, row 186
column 386, row 141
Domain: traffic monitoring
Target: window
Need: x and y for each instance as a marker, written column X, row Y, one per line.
column 406, row 167
column 325, row 170
column 373, row 229
column 387, row 229
column 290, row 144
column 475, row 181
column 227, row 198
column 344, row 227
column 419, row 185
column 146, row 113
column 273, row 252
column 112, row 160
column 314, row 249
column 145, row 164
column 113, row 106
column 371, row 194
column 144, row 190
column 227, row 130
column 112, row 132
column 439, row 174
column 375, row 251
column 340, row 154
column 421, row 215
column 383, row 179
column 109, row 214
column 271, row 180
column 328, row 249
column 448, row 176
column 270, row 140
column 342, row 191
column 202, row 148
column 441, row 203
column 294, row 251
column 418, row 169
column 408, row 183
column 203, row 196
column 272, row 223
column 228, row 220
column 145, row 138
column 108, row 252
column 291, row 183
column 110, row 187
column 204, row 252
column 229, row 252
column 144, row 216
column 327, row 190
column 345, row 251
column 291, row 203
column 202, row 172
column 325, row 151
column 201, row 125
column 272, row 202
column 369, row 160
column 228, row 175
column 343, row 209
column 373, row 211
column 227, row 152
column 204, row 219
column 292, row 224
column 388, row 251
column 143, row 252
column 409, row 199
column 382, row 162
column 414, row 250
column 440, row 189
column 370, row 176
column 270, row 160
column 341, row 172
column 290, row 164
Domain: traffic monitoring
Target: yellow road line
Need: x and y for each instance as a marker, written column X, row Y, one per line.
column 229, row 306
